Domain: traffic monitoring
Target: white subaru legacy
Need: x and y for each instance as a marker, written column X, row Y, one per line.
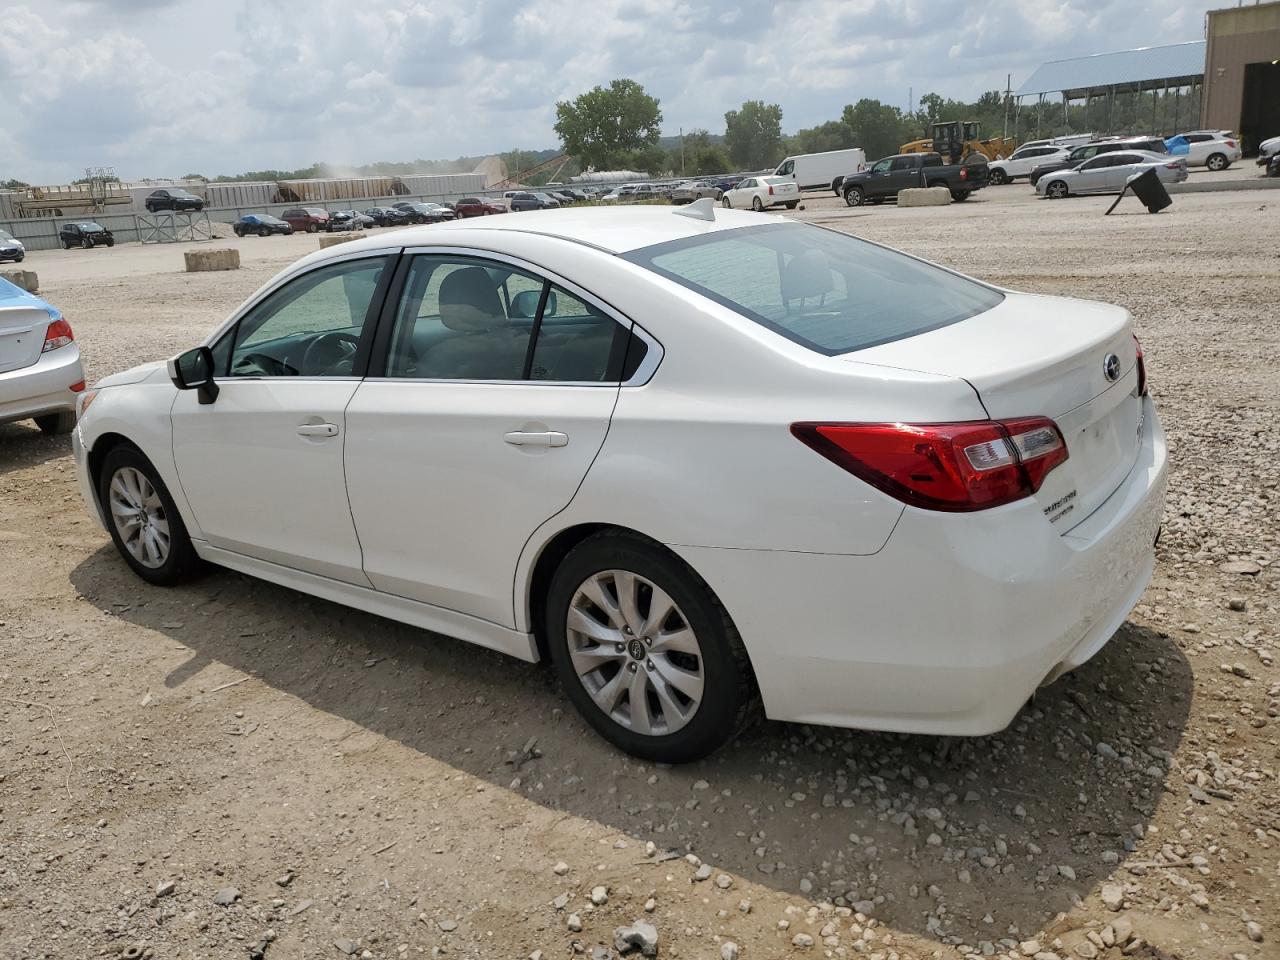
column 699, row 459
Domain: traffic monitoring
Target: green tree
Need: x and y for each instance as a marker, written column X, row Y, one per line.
column 709, row 160
column 753, row 135
column 878, row 128
column 832, row 135
column 13, row 185
column 607, row 124
column 195, row 176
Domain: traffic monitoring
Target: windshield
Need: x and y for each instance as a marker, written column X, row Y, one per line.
column 88, row 226
column 5, row 235
column 825, row 290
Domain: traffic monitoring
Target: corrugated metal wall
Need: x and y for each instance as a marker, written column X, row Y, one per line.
column 1237, row 36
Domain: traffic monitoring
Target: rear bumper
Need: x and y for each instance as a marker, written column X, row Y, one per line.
column 44, row 387
column 955, row 622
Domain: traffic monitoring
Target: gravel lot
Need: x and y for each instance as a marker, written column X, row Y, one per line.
column 370, row 790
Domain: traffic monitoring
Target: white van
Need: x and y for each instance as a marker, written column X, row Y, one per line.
column 816, row 171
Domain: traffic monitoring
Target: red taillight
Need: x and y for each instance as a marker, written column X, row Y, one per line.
column 1142, row 367
column 1231, row 144
column 771, row 190
column 77, row 387
column 964, row 173
column 57, row 335
column 955, row 467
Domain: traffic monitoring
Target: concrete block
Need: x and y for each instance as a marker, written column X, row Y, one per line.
column 332, row 239
column 924, row 197
column 26, row 279
column 223, row 259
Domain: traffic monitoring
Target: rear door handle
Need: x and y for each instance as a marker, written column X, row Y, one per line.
column 549, row 438
column 318, row 430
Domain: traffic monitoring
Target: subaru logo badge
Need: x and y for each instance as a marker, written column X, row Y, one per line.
column 1111, row 367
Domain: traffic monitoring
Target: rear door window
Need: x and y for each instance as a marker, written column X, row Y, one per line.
column 825, row 290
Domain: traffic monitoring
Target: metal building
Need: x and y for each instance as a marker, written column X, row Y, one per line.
column 1242, row 72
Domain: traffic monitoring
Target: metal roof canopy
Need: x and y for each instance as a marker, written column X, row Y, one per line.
column 1146, row 68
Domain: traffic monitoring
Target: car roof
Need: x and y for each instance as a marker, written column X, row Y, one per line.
column 611, row 229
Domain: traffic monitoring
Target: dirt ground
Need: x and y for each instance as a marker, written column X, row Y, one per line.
column 357, row 787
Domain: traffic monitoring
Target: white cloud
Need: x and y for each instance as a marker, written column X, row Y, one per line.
column 164, row 87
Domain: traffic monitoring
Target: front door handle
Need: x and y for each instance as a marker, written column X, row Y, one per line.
column 318, row 430
column 549, row 438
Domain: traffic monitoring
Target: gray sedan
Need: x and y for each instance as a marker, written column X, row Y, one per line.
column 691, row 190
column 1108, row 173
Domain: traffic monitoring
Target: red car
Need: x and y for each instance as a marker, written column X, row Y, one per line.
column 477, row 207
column 306, row 219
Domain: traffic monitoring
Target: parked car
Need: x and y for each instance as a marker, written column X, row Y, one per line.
column 85, row 233
column 1272, row 168
column 387, row 216
column 760, row 193
column 425, row 212
column 564, row 198
column 1090, row 150
column 478, row 207
column 1109, row 172
column 549, row 201
column 520, row 200
column 11, row 248
column 307, row 219
column 1268, row 149
column 889, row 175
column 260, row 225
column 815, row 171
column 1216, row 150
column 979, row 474
column 350, row 220
column 172, row 198
column 1023, row 161
column 41, row 373
column 691, row 190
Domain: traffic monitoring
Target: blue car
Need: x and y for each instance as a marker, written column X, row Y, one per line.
column 41, row 375
column 261, row 225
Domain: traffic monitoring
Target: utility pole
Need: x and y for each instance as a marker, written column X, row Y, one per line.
column 1008, row 92
column 682, row 151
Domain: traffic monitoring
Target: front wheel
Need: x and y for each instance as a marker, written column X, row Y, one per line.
column 1056, row 190
column 757, row 205
column 854, row 196
column 143, row 521
column 645, row 650
column 312, row 228
column 724, row 201
column 1217, row 161
column 264, row 232
column 998, row 177
column 56, row 423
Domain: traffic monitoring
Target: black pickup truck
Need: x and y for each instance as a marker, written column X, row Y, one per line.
column 886, row 177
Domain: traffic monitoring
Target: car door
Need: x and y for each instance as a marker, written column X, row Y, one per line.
column 1092, row 175
column 1123, row 166
column 904, row 172
column 262, row 465
column 1199, row 144
column 494, row 397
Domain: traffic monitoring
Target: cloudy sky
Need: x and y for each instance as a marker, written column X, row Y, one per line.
column 166, row 87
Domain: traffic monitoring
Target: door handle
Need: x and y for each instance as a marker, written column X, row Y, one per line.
column 318, row 430
column 549, row 438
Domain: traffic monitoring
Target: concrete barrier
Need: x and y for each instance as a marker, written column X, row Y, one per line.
column 332, row 239
column 924, row 197
column 26, row 279
column 201, row 260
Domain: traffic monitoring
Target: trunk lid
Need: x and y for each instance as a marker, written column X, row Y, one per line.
column 1045, row 356
column 22, row 330
column 781, row 185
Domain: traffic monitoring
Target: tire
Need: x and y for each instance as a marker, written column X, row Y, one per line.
column 237, row 231
column 1217, row 162
column 854, row 197
column 728, row 696
column 724, row 202
column 998, row 177
column 312, row 228
column 111, row 242
column 792, row 204
column 757, row 205
column 86, row 244
column 66, row 244
column 1056, row 190
column 56, row 423
column 180, row 562
column 960, row 196
column 264, row 232
column 20, row 257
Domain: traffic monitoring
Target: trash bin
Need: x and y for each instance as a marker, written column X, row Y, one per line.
column 1148, row 188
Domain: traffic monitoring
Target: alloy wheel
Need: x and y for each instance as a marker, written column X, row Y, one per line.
column 139, row 517
column 1056, row 190
column 635, row 652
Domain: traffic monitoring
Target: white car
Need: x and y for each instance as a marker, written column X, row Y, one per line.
column 697, row 458
column 1109, row 172
column 691, row 190
column 1023, row 161
column 11, row 248
column 1215, row 149
column 1268, row 149
column 760, row 193
column 41, row 373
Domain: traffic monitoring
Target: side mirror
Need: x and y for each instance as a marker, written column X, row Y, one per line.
column 194, row 370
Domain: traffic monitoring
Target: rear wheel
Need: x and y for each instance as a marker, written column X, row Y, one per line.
column 756, row 205
column 998, row 177
column 791, row 205
column 960, row 196
column 143, row 521
column 645, row 650
column 56, row 423
column 1057, row 190
column 1217, row 161
column 854, row 196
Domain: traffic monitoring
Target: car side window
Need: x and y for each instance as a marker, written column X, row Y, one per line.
column 310, row 327
column 901, row 163
column 787, row 168
column 881, row 166
column 576, row 342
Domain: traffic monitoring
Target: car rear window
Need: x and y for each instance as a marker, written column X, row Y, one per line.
column 825, row 290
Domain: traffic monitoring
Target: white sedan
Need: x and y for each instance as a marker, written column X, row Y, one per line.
column 553, row 440
column 760, row 193
column 1109, row 172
